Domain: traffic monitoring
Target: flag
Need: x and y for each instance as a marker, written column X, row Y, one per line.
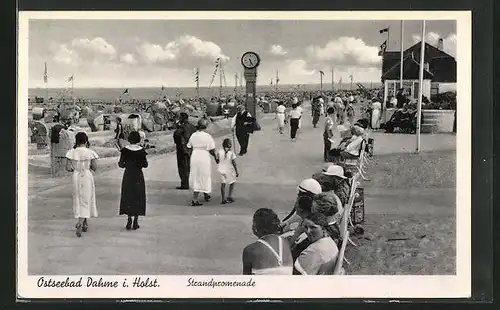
column 271, row 81
column 45, row 76
column 384, row 30
column 322, row 73
column 162, row 88
column 382, row 48
column 70, row 79
column 126, row 91
column 197, row 75
column 215, row 70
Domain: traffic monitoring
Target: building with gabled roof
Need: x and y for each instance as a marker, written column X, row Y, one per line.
column 440, row 67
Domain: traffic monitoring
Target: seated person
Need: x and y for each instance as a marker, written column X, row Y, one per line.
column 270, row 254
column 320, row 256
column 335, row 179
column 308, row 188
column 349, row 148
column 319, row 174
column 327, row 203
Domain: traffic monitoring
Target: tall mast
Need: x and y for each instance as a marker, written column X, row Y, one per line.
column 220, row 77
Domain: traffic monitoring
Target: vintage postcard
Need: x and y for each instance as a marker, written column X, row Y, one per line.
column 255, row 155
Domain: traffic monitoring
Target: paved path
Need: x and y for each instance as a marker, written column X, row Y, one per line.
column 175, row 238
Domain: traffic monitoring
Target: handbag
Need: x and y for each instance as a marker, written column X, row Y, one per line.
column 253, row 125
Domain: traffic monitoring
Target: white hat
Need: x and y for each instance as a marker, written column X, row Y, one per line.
column 325, row 166
column 335, row 170
column 310, row 185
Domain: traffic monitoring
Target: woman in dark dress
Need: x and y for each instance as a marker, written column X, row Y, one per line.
column 133, row 197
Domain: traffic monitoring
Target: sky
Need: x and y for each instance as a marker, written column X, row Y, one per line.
column 151, row 53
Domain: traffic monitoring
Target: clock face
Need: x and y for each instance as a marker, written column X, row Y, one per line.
column 250, row 60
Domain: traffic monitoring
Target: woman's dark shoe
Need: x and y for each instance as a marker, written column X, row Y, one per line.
column 207, row 197
column 78, row 230
column 129, row 224
column 224, row 202
column 230, row 200
column 85, row 226
column 196, row 203
column 136, row 225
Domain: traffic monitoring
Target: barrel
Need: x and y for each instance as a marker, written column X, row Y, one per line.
column 37, row 113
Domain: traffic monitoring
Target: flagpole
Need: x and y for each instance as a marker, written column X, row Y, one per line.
column 321, row 80
column 220, row 78
column 401, row 57
column 351, row 80
column 46, row 80
column 388, row 37
column 198, row 82
column 277, row 80
column 73, row 87
column 333, row 82
column 235, row 85
column 420, row 86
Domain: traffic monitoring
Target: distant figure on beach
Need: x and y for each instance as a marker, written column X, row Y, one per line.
column 57, row 154
column 119, row 133
column 315, row 111
column 181, row 137
column 376, row 113
column 133, row 194
column 82, row 161
column 295, row 116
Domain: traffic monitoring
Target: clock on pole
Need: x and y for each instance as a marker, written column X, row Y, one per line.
column 250, row 61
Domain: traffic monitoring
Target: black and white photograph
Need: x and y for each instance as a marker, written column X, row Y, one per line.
column 236, row 154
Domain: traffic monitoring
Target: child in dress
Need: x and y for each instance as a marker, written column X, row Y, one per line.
column 228, row 170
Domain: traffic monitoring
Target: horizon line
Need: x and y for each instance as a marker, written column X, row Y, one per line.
column 215, row 87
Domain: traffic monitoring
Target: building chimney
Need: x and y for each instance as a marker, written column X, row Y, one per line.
column 440, row 44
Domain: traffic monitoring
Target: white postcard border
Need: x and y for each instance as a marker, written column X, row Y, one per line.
column 265, row 286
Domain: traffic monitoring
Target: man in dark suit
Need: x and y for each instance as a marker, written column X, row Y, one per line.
column 240, row 124
column 181, row 137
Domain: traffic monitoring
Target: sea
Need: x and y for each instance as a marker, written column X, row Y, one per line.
column 152, row 93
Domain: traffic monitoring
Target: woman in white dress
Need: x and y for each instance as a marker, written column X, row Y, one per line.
column 81, row 161
column 376, row 109
column 281, row 116
column 200, row 175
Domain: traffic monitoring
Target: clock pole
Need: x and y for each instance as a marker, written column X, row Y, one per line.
column 250, row 62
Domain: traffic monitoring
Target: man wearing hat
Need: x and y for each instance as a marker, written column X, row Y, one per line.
column 181, row 137
column 240, row 124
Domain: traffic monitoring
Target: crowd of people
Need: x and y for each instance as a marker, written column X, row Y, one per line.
column 306, row 242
